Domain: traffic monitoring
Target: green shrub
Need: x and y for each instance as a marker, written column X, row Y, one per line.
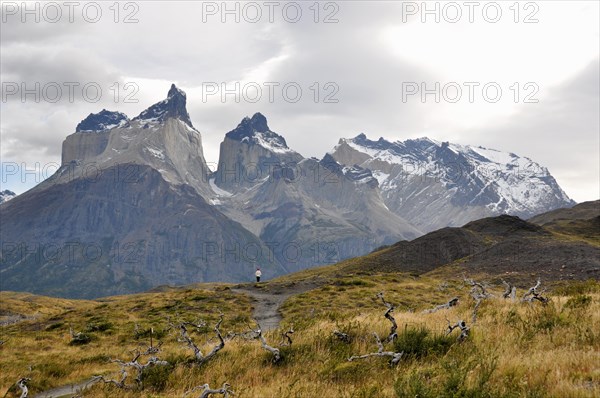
column 575, row 288
column 100, row 326
column 580, row 301
column 157, row 377
column 419, row 342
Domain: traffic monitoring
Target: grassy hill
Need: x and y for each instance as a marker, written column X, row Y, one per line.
column 514, row 349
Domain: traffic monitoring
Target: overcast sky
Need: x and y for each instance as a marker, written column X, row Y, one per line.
column 361, row 67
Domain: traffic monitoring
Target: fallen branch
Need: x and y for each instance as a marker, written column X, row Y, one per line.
column 22, row 384
column 120, row 383
column 207, row 391
column 395, row 356
column 388, row 315
column 263, row 342
column 534, row 294
column 462, row 325
column 453, row 302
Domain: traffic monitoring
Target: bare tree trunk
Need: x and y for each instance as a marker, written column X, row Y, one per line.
column 395, row 356
column 479, row 293
column 388, row 314
column 198, row 355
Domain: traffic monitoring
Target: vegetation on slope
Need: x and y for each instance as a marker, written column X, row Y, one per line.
column 514, row 349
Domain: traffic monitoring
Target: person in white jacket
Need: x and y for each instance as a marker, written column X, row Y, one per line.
column 258, row 275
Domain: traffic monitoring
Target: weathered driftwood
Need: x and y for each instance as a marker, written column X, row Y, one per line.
column 287, row 336
column 510, row 290
column 534, row 294
column 185, row 338
column 451, row 303
column 388, row 315
column 207, row 391
column 342, row 336
column 22, row 384
column 258, row 335
column 462, row 326
column 395, row 356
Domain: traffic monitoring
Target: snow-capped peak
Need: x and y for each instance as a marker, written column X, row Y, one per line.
column 174, row 106
column 102, row 121
column 255, row 130
column 501, row 181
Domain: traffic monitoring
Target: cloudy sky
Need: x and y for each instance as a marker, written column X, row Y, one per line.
column 522, row 78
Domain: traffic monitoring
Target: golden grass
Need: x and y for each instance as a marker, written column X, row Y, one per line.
column 514, row 350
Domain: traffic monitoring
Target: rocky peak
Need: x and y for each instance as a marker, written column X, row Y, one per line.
column 249, row 126
column 102, row 121
column 255, row 130
column 172, row 107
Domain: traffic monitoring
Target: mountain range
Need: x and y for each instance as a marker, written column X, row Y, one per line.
column 134, row 204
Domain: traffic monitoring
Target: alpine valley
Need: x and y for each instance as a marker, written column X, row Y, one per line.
column 134, row 204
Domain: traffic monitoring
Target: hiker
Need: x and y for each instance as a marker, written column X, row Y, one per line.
column 258, row 275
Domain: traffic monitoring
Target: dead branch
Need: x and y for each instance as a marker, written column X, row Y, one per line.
column 153, row 361
column 185, row 337
column 534, row 294
column 134, row 363
column 395, row 356
column 120, row 383
column 479, row 293
column 388, row 315
column 510, row 291
column 462, row 325
column 207, row 391
column 263, row 342
column 453, row 302
column 287, row 336
column 342, row 336
column 22, row 384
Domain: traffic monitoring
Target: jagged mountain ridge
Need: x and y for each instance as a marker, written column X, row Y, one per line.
column 264, row 197
column 433, row 184
column 326, row 211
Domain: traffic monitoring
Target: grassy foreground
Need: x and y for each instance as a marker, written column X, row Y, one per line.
column 514, row 349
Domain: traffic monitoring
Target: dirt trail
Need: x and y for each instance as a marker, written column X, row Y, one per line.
column 268, row 299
